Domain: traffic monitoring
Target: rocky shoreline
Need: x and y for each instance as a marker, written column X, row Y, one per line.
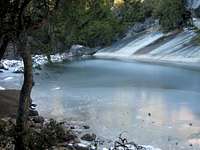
column 16, row 66
column 49, row 134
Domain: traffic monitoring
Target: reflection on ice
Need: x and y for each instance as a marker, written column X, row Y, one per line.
column 57, row 108
column 113, row 96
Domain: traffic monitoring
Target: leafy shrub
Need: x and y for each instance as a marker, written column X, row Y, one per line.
column 51, row 134
column 196, row 39
column 132, row 12
column 172, row 14
column 98, row 33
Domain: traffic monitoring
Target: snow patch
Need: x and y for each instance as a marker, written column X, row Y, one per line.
column 132, row 147
column 17, row 66
column 149, row 147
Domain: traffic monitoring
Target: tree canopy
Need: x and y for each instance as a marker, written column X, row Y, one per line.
column 172, row 14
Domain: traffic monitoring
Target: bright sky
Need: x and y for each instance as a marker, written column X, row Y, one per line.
column 118, row 2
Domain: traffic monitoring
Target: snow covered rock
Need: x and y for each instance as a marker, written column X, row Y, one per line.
column 3, row 66
column 88, row 137
column 132, row 147
column 17, row 66
column 141, row 26
column 80, row 50
column 39, row 60
column 19, row 69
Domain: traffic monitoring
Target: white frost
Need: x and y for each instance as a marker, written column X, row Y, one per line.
column 131, row 147
column 17, row 65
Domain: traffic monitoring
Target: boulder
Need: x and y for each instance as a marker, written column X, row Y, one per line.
column 141, row 26
column 79, row 50
column 71, row 138
column 82, row 146
column 138, row 27
column 3, row 66
column 37, row 73
column 33, row 105
column 33, row 113
column 88, row 137
column 19, row 70
column 86, row 127
column 38, row 67
column 38, row 119
column 62, row 148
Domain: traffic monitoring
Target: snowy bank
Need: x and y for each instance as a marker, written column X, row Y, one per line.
column 17, row 66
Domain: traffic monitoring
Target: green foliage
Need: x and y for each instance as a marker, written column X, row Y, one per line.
column 41, row 140
column 44, row 41
column 50, row 135
column 171, row 14
column 7, row 134
column 137, row 11
column 92, row 25
column 37, row 137
column 98, row 33
column 148, row 7
column 196, row 39
column 132, row 12
column 88, row 22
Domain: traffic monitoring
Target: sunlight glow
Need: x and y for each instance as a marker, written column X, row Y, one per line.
column 118, row 2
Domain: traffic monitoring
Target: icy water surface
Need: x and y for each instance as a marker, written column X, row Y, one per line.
column 155, row 105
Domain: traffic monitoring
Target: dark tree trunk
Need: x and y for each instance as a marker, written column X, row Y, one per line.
column 3, row 47
column 24, row 99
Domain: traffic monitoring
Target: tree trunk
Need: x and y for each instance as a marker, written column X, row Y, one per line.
column 3, row 47
column 24, row 99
